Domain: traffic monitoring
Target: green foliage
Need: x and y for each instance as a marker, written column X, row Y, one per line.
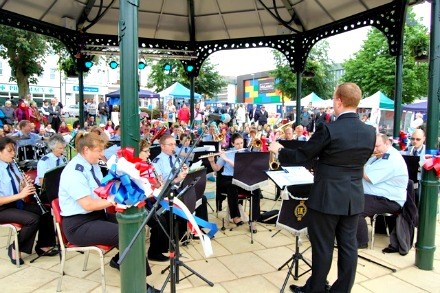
column 373, row 68
column 317, row 63
column 208, row 82
column 25, row 52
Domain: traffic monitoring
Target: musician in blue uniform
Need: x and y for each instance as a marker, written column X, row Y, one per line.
column 226, row 160
column 25, row 136
column 13, row 209
column 166, row 161
column 85, row 221
column 55, row 158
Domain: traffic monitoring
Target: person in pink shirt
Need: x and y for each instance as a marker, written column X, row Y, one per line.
column 183, row 114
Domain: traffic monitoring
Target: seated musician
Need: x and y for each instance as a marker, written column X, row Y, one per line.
column 85, row 221
column 25, row 136
column 385, row 180
column 158, row 238
column 299, row 133
column 288, row 133
column 53, row 159
column 226, row 160
column 184, row 147
column 166, row 161
column 210, row 136
column 13, row 209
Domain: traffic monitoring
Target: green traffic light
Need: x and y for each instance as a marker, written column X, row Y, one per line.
column 189, row 68
column 113, row 64
column 142, row 65
column 167, row 67
column 88, row 64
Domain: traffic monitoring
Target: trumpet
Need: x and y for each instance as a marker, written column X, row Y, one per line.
column 218, row 154
column 36, row 196
column 256, row 143
column 218, row 137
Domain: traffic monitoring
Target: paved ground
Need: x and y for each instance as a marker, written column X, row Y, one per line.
column 237, row 265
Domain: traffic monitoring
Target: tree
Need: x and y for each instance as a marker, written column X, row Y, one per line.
column 317, row 64
column 208, row 82
column 25, row 52
column 373, row 68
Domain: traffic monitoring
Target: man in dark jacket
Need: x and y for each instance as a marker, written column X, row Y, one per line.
column 337, row 196
column 262, row 116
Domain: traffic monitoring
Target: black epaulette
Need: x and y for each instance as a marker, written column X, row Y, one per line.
column 79, row 167
column 156, row 160
column 44, row 158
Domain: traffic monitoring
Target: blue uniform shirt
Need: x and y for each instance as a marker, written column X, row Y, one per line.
column 5, row 180
column 228, row 169
column 47, row 163
column 162, row 164
column 388, row 176
column 29, row 139
column 77, row 182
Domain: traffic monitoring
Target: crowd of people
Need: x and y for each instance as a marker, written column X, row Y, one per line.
column 348, row 188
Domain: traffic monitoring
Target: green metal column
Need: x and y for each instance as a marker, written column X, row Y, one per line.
column 133, row 268
column 425, row 245
column 398, row 96
column 191, row 99
column 298, row 97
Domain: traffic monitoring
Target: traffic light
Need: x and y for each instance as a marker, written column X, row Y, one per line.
column 85, row 62
column 88, row 64
column 113, row 64
column 167, row 67
column 142, row 65
column 189, row 68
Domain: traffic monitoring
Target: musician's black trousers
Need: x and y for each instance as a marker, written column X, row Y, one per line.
column 232, row 191
column 322, row 229
column 373, row 205
column 32, row 220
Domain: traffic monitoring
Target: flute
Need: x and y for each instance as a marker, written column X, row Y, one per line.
column 218, row 154
column 36, row 196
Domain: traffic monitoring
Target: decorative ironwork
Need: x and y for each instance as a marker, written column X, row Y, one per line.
column 388, row 18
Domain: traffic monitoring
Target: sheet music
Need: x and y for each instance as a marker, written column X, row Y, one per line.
column 196, row 166
column 291, row 176
column 206, row 148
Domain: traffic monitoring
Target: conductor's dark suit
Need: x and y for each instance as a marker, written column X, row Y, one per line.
column 337, row 196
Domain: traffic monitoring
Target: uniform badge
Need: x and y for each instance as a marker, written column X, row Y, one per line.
column 156, row 160
column 79, row 167
column 385, row 156
column 44, row 158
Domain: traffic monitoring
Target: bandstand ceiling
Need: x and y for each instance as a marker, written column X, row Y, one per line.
column 214, row 19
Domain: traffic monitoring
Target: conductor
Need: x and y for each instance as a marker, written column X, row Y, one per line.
column 337, row 196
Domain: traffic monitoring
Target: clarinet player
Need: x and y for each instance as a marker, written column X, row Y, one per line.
column 337, row 196
column 13, row 208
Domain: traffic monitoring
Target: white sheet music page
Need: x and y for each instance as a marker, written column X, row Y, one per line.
column 300, row 174
column 291, row 176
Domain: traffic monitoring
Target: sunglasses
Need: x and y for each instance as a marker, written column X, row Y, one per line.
column 417, row 139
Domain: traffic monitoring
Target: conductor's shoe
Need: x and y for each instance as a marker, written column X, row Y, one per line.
column 296, row 289
column 151, row 289
column 158, row 257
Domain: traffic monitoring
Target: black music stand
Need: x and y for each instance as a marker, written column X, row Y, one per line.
column 189, row 199
column 249, row 175
column 296, row 224
column 49, row 192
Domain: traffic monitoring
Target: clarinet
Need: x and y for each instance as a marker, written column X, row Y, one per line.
column 158, row 177
column 36, row 196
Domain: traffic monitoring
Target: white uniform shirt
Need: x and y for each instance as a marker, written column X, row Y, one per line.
column 388, row 176
column 77, row 182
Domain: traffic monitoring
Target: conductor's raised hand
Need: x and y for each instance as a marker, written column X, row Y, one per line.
column 274, row 147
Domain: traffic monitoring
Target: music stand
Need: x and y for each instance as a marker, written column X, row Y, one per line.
column 49, row 191
column 412, row 163
column 249, row 175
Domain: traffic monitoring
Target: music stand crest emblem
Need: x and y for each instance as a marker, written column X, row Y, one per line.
column 300, row 210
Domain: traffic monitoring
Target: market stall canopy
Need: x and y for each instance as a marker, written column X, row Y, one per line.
column 177, row 90
column 310, row 98
column 377, row 100
column 114, row 97
column 416, row 107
